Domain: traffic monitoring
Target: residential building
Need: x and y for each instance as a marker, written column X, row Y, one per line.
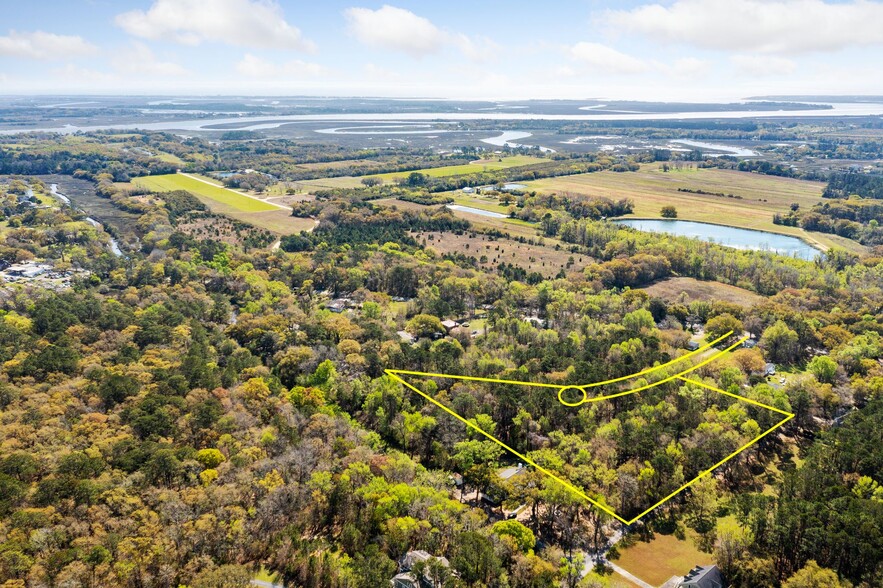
column 703, row 577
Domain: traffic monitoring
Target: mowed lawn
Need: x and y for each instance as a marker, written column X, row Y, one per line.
column 650, row 189
column 661, row 558
column 225, row 196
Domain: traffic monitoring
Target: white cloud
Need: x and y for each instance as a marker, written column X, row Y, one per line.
column 395, row 28
column 762, row 65
column 757, row 26
column 602, row 58
column 139, row 59
column 255, row 67
column 244, row 23
column 398, row 29
column 42, row 45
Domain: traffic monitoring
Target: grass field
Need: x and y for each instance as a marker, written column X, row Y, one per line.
column 543, row 259
column 239, row 206
column 686, row 290
column 617, row 581
column 650, row 188
column 466, row 168
column 661, row 558
column 328, row 183
column 225, row 196
column 169, row 158
column 435, row 172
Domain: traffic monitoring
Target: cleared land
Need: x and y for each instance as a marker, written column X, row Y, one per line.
column 467, row 168
column 651, row 188
column 687, row 290
column 234, row 204
column 543, row 259
column 435, row 172
column 225, row 196
column 663, row 557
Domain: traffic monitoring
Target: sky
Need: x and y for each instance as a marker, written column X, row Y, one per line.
column 688, row 50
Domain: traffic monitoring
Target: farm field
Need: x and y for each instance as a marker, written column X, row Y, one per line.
column 662, row 557
column 435, row 172
column 543, row 259
column 204, row 189
column 650, row 188
column 273, row 217
column 686, row 290
column 327, row 183
column 467, row 168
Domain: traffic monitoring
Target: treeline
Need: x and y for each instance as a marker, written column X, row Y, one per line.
column 829, row 510
column 553, row 210
column 122, row 167
column 343, row 223
column 854, row 219
column 536, row 171
column 631, row 258
column 844, row 185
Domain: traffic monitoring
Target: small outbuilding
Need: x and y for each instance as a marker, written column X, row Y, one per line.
column 449, row 324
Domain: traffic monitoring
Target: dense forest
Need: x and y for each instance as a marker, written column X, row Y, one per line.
column 196, row 410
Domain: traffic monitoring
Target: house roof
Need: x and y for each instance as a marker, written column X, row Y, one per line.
column 703, row 577
column 413, row 557
column 507, row 473
column 404, row 580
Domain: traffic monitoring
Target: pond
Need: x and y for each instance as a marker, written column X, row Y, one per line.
column 471, row 210
column 728, row 236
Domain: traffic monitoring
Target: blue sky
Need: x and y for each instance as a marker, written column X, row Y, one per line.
column 674, row 50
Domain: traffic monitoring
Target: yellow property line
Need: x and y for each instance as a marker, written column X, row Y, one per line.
column 737, row 397
column 576, row 490
column 596, row 384
column 526, row 459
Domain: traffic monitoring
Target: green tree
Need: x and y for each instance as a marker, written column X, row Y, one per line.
column 780, row 343
column 475, row 560
column 637, row 320
column 523, row 537
column 669, row 212
column 210, row 458
column 814, row 576
column 424, row 325
column 722, row 324
column 823, row 368
column 445, row 353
